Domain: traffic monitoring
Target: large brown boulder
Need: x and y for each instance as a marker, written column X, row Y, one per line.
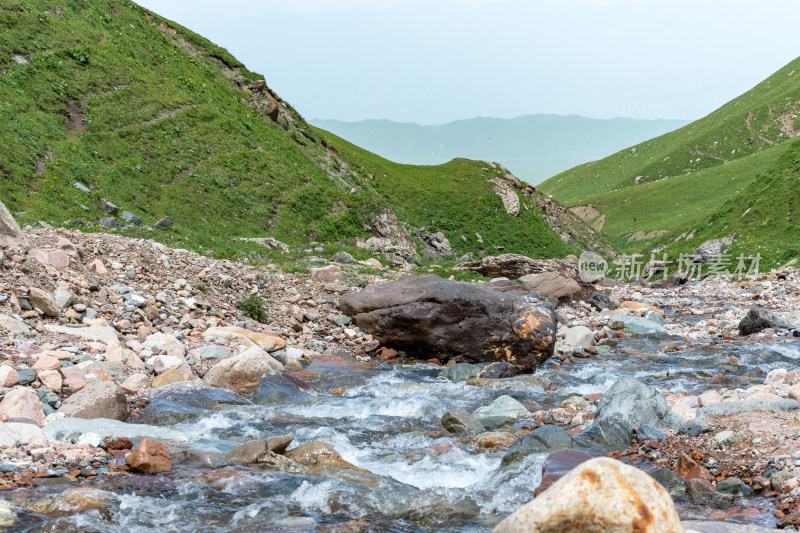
column 429, row 316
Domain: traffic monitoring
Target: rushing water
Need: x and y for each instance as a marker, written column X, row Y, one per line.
column 385, row 422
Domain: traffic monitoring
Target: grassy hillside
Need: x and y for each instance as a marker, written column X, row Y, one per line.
column 533, row 147
column 458, row 199
column 686, row 175
column 764, row 215
column 160, row 121
column 764, row 116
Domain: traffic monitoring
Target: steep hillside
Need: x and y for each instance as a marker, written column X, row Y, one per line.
column 764, row 116
column 666, row 184
column 102, row 99
column 764, row 216
column 534, row 147
column 459, row 199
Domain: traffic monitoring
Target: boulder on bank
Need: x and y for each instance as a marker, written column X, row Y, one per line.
column 429, row 316
column 551, row 284
column 242, row 371
column 628, row 404
column 101, row 399
column 599, row 496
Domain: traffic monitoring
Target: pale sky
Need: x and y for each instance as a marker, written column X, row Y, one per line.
column 435, row 61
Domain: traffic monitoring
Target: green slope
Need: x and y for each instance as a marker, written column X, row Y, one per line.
column 160, row 121
column 685, row 176
column 762, row 117
column 458, row 199
column 763, row 215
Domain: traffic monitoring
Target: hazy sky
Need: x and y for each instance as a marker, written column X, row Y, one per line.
column 434, row 61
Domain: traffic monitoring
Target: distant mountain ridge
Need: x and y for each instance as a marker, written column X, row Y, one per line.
column 533, row 147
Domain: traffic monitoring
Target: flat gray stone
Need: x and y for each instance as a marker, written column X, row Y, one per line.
column 740, row 406
column 703, row 526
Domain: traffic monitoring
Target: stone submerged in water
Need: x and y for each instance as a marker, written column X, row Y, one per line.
column 460, row 422
column 628, row 404
column 429, row 316
column 178, row 402
column 544, row 439
column 277, row 387
column 503, row 410
column 598, row 496
column 149, row 456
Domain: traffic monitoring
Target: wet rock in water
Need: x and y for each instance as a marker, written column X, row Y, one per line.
column 579, row 336
column 70, row 429
column 316, row 453
column 22, row 402
column 459, row 372
column 628, row 404
column 701, row 493
column 460, row 422
column 672, row 482
column 43, row 300
column 544, row 439
column 734, row 486
column 273, row 461
column 600, row 301
column 710, row 526
column 599, row 496
column 636, row 324
column 276, row 387
column 498, row 370
column 249, row 452
column 195, row 454
column 75, row 500
column 149, row 456
column 178, row 402
column 8, row 516
column 760, row 319
column 242, row 371
column 525, row 384
column 503, row 410
column 101, row 399
column 557, row 465
column 429, row 316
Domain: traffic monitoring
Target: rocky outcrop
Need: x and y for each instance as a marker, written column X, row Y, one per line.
column 598, row 496
column 430, row 316
column 438, row 245
column 710, row 250
column 390, row 238
column 10, row 233
column 507, row 195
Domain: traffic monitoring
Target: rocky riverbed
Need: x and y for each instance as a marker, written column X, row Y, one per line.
column 137, row 395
